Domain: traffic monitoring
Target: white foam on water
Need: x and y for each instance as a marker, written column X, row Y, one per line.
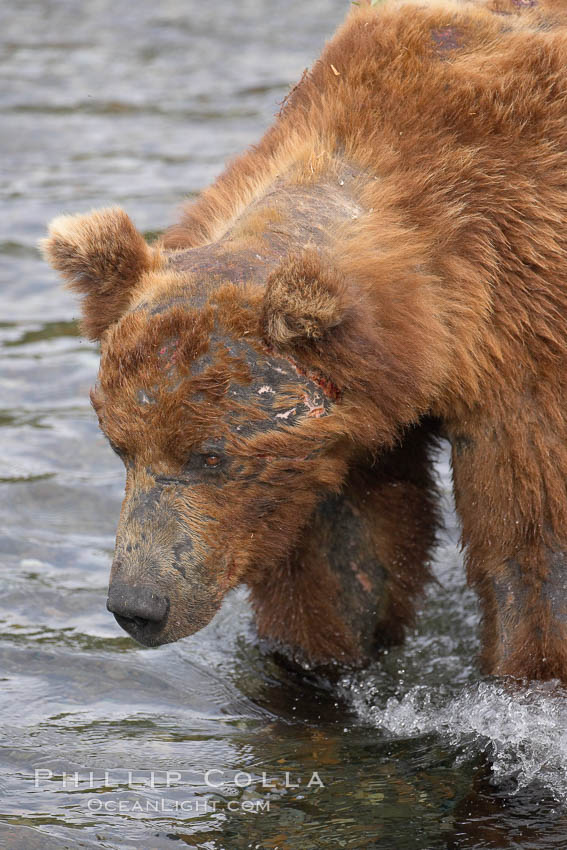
column 522, row 729
column 430, row 685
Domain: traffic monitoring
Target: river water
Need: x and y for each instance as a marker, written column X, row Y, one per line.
column 207, row 743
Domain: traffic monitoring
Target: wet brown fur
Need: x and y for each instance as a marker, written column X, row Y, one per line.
column 397, row 235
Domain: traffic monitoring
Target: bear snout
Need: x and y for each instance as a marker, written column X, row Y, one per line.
column 139, row 610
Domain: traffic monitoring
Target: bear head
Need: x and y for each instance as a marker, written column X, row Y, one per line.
column 231, row 405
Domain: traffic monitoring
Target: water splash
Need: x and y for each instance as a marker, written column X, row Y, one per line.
column 521, row 729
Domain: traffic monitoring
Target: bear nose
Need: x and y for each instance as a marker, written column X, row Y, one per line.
column 138, row 603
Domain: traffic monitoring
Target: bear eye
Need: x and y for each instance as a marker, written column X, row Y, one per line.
column 211, row 461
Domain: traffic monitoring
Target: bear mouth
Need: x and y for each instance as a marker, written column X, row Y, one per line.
column 143, row 631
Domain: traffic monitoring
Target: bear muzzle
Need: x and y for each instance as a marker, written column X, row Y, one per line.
column 139, row 610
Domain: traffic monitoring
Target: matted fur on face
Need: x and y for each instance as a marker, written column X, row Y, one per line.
column 225, row 445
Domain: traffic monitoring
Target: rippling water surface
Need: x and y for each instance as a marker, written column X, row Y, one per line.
column 140, row 104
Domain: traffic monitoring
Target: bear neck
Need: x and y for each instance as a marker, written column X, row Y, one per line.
column 289, row 217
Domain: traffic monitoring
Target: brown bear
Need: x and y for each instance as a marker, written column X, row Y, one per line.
column 388, row 262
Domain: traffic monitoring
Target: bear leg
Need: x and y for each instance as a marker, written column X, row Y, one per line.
column 351, row 585
column 510, row 493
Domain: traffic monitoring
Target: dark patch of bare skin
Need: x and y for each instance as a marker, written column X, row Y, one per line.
column 554, row 589
column 352, row 557
column 446, row 39
column 511, row 596
column 295, row 216
column 343, row 550
column 461, row 444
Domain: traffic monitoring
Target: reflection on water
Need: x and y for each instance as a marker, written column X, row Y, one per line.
column 140, row 104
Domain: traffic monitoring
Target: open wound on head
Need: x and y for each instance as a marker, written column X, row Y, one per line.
column 179, row 389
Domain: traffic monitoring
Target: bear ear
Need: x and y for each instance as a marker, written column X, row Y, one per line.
column 101, row 256
column 304, row 299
